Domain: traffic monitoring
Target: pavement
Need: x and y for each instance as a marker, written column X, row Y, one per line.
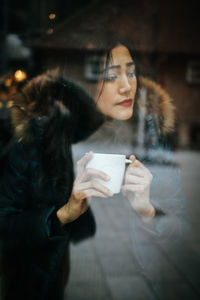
column 107, row 266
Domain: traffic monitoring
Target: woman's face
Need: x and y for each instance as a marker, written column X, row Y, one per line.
column 118, row 87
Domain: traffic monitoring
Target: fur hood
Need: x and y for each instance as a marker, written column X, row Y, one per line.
column 159, row 104
column 50, row 98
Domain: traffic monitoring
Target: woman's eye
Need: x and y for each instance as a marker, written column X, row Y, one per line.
column 110, row 77
column 131, row 74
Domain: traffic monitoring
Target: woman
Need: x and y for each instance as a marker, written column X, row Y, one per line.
column 114, row 97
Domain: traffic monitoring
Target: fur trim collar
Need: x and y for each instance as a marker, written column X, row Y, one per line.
column 159, row 104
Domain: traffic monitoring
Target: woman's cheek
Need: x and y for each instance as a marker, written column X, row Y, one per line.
column 105, row 103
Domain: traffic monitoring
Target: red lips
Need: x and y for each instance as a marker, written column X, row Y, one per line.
column 126, row 103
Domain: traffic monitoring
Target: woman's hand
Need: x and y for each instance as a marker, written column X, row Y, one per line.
column 83, row 189
column 137, row 188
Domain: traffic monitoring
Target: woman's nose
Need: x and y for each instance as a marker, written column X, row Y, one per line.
column 124, row 84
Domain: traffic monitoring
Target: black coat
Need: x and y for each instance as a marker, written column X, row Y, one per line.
column 33, row 242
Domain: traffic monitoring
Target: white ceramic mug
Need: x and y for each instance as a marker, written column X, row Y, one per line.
column 113, row 165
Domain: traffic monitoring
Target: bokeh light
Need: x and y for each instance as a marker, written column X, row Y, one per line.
column 20, row 75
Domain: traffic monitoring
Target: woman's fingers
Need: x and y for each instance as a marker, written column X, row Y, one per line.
column 94, row 185
column 140, row 174
column 81, row 195
column 88, row 173
column 139, row 171
column 94, row 193
column 84, row 173
column 144, row 175
column 137, row 177
column 133, row 179
column 83, row 187
column 136, row 171
column 83, row 161
column 132, row 157
column 101, row 188
column 136, row 163
column 132, row 188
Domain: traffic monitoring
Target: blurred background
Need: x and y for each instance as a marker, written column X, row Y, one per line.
column 46, row 34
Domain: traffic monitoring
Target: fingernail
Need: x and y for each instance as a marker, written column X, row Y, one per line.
column 132, row 157
column 107, row 178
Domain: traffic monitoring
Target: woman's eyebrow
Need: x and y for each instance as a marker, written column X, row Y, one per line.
column 118, row 66
column 113, row 67
column 106, row 69
column 130, row 64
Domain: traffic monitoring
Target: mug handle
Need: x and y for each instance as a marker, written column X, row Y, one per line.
column 128, row 161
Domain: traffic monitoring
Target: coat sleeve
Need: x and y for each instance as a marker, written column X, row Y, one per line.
column 83, row 113
column 171, row 222
column 23, row 222
column 27, row 227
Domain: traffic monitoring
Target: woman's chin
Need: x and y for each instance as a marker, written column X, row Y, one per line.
column 122, row 115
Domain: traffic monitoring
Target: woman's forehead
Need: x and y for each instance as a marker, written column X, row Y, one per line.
column 119, row 55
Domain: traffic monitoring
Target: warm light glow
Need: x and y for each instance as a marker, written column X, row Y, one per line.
column 20, row 75
column 90, row 46
column 52, row 16
column 10, row 103
column 50, row 31
column 8, row 82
